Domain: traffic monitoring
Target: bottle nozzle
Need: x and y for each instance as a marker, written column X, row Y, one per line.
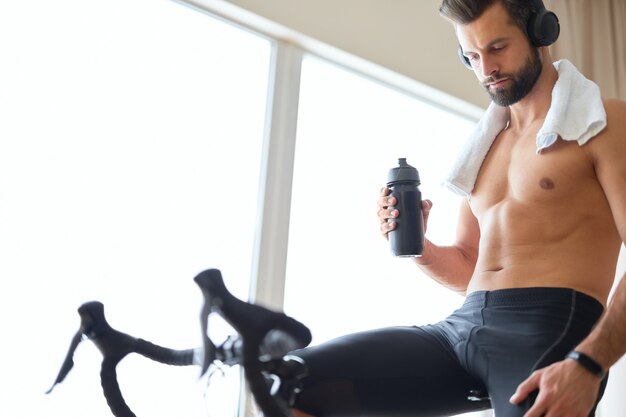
column 403, row 173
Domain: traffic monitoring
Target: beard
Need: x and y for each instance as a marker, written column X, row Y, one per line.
column 521, row 82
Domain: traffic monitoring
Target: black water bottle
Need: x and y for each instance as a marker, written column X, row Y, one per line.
column 407, row 239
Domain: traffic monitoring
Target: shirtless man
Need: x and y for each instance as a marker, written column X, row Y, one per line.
column 535, row 254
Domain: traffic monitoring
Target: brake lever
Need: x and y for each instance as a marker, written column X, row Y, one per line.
column 265, row 336
column 114, row 346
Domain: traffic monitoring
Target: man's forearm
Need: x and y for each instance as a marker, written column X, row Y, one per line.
column 448, row 265
column 607, row 342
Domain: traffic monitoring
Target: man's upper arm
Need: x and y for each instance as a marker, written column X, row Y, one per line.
column 610, row 162
column 468, row 232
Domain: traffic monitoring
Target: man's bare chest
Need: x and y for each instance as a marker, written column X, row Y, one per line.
column 514, row 170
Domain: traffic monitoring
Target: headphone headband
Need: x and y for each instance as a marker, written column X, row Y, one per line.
column 542, row 29
column 538, row 4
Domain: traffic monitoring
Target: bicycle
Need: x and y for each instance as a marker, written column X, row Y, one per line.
column 261, row 346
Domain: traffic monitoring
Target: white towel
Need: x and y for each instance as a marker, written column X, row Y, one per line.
column 576, row 113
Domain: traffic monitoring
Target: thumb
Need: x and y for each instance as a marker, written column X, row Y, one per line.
column 426, row 206
column 529, row 385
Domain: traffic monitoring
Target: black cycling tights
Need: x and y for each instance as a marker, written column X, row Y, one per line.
column 485, row 348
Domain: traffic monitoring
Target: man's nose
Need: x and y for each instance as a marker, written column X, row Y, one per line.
column 488, row 66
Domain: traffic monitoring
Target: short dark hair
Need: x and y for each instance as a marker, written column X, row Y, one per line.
column 466, row 11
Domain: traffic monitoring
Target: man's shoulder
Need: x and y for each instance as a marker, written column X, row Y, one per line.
column 611, row 142
column 615, row 110
column 615, row 119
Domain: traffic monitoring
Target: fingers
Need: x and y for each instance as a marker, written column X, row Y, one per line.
column 559, row 390
column 384, row 200
column 387, row 226
column 541, row 405
column 385, row 213
column 529, row 385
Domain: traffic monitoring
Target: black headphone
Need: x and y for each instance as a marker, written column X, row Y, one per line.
column 542, row 28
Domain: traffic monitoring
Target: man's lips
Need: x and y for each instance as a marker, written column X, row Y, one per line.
column 496, row 83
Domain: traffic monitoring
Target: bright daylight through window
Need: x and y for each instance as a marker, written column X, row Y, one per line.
column 351, row 131
column 131, row 145
column 131, row 142
column 341, row 276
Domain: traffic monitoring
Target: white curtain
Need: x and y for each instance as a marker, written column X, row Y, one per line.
column 593, row 37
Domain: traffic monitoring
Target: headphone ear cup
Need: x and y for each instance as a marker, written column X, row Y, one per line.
column 543, row 28
column 463, row 58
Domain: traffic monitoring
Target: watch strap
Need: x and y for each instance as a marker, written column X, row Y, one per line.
column 587, row 362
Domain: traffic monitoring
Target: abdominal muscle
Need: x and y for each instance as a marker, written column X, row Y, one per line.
column 524, row 246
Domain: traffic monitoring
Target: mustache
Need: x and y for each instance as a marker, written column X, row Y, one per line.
column 494, row 79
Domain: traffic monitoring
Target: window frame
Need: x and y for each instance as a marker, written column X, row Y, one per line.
column 269, row 263
column 267, row 282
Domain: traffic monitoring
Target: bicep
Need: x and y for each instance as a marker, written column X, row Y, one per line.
column 610, row 164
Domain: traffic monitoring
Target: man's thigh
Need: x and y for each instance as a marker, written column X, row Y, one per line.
column 526, row 330
column 397, row 371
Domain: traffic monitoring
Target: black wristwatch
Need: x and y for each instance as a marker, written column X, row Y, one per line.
column 587, row 362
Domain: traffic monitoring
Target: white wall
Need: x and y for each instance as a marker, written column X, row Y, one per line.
column 406, row 36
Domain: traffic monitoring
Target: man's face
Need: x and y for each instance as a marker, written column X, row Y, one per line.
column 502, row 58
column 521, row 82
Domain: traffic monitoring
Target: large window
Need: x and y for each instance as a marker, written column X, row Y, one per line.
column 132, row 156
column 341, row 276
column 130, row 151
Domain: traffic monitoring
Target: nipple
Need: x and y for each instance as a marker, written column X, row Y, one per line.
column 546, row 184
